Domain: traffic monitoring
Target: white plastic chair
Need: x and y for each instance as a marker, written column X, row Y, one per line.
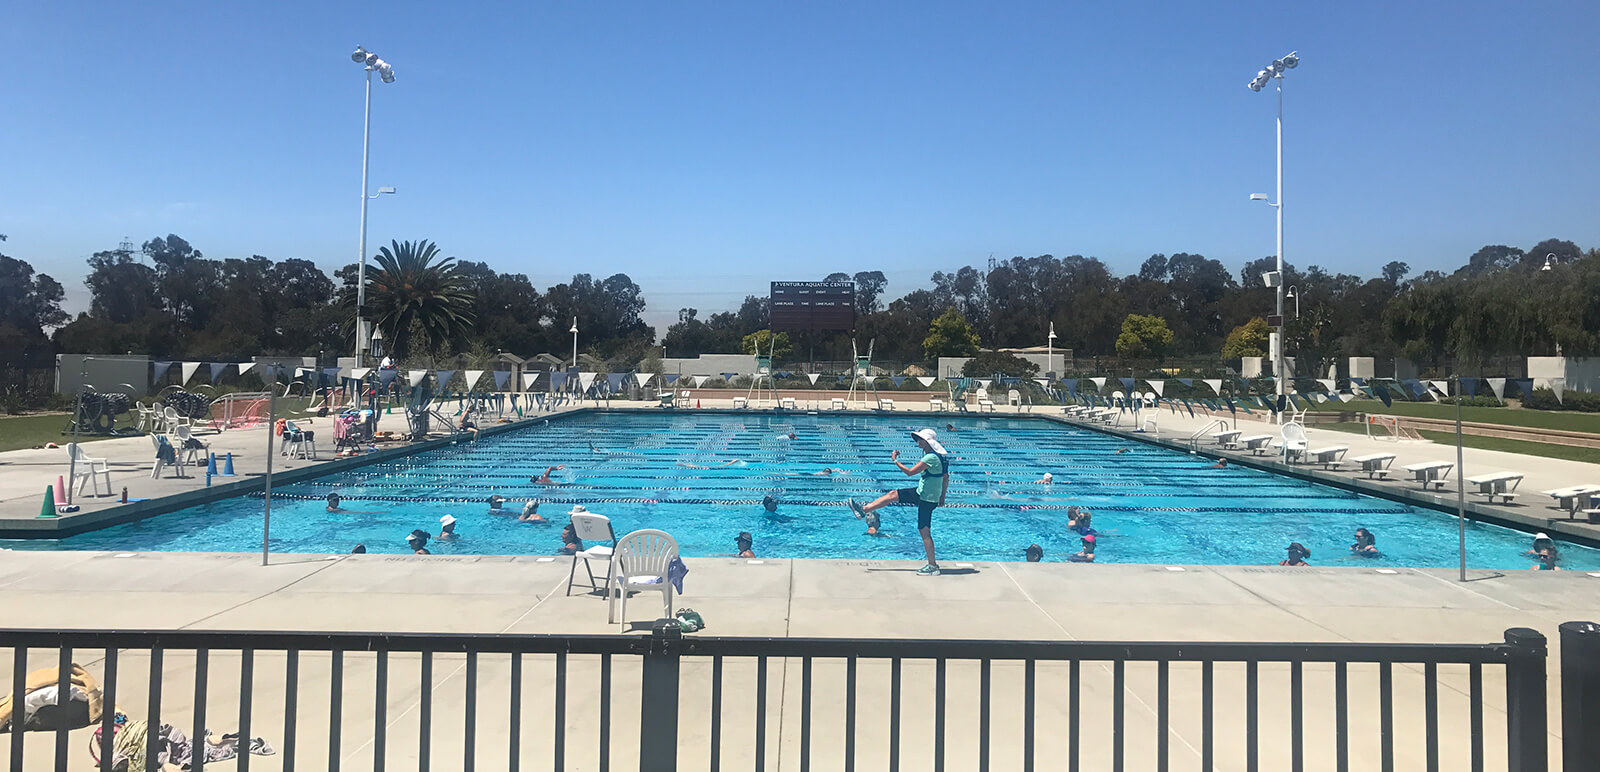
column 181, row 435
column 596, row 528
column 85, row 469
column 1014, row 398
column 640, row 565
column 173, row 420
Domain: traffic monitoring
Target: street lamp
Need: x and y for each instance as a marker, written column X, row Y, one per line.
column 371, row 63
column 1050, row 354
column 1550, row 261
column 574, row 342
column 1274, row 72
column 1290, row 295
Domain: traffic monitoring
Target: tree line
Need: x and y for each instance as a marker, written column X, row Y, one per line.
column 168, row 300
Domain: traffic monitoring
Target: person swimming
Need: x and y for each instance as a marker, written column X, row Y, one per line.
column 723, row 465
column 1541, row 541
column 1366, row 544
column 570, row 543
column 1086, row 555
column 544, row 479
column 744, row 541
column 770, row 504
column 949, row 427
column 1045, row 480
column 333, row 502
column 1120, row 451
column 1222, row 463
column 417, row 540
column 874, row 524
column 494, row 505
column 530, row 513
column 1034, row 553
column 1547, row 560
column 361, row 549
column 447, row 527
column 1079, row 520
column 1297, row 555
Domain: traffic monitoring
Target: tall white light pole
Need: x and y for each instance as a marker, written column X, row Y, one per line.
column 371, row 63
column 1274, row 72
column 1050, row 353
column 574, row 342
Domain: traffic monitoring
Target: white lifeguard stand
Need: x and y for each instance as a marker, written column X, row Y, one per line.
column 862, row 371
column 756, row 397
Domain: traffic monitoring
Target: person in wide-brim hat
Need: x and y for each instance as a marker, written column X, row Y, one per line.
column 933, row 469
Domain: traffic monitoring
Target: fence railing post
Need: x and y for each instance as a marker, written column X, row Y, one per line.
column 1527, row 740
column 1580, row 694
column 658, row 720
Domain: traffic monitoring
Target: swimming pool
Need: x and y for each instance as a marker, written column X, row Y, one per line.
column 701, row 477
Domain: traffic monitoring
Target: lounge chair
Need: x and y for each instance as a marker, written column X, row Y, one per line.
column 1575, row 498
column 984, row 403
column 1328, row 457
column 88, row 469
column 1227, row 437
column 1502, row 484
column 1255, row 443
column 1430, row 473
column 641, row 562
column 884, row 403
column 592, row 528
column 1375, row 464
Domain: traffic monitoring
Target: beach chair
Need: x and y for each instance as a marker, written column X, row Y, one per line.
column 1575, row 498
column 592, row 528
column 1375, row 464
column 86, row 468
column 1502, row 484
column 1430, row 473
column 683, row 399
column 640, row 565
column 1255, row 443
column 1226, row 438
column 1328, row 457
column 1293, row 445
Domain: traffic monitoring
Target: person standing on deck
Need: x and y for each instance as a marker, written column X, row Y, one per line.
column 934, row 469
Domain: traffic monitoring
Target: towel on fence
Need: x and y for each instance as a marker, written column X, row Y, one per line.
column 676, row 570
column 50, row 677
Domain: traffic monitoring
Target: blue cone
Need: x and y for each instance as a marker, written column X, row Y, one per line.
column 211, row 465
column 227, row 465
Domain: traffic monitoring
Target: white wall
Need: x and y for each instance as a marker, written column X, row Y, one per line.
column 106, row 372
column 1580, row 374
column 710, row 364
column 1363, row 367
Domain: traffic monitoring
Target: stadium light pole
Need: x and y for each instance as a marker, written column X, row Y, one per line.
column 371, row 63
column 1050, row 354
column 574, row 342
column 1274, row 72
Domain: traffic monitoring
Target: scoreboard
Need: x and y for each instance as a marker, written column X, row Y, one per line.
column 813, row 305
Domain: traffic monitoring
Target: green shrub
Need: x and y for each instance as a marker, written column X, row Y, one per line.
column 1474, row 402
column 1545, row 399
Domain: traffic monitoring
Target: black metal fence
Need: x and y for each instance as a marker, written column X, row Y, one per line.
column 658, row 702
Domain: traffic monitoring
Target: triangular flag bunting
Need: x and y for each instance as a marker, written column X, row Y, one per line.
column 415, row 377
column 614, row 381
column 386, row 377
column 1160, row 387
column 1215, row 384
column 1524, row 386
column 812, row 377
column 1328, row 383
column 528, row 379
column 644, row 378
column 898, row 379
column 1498, row 386
column 360, row 373
column 1127, row 383
column 1443, row 387
column 188, row 369
column 244, row 367
column 672, row 378
column 1099, row 383
column 217, row 369
column 556, row 379
column 501, row 378
column 1186, row 381
column 1559, row 386
column 444, row 377
column 472, row 378
column 925, row 380
column 1469, row 387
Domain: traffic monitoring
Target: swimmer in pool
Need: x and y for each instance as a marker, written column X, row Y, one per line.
column 1078, row 520
column 949, row 427
column 1045, row 480
column 468, row 426
column 447, row 527
column 1120, row 451
column 744, row 541
column 1540, row 541
column 770, row 504
column 723, row 465
column 829, row 470
column 494, row 505
column 1086, row 555
column 1366, row 545
column 1034, row 553
column 570, row 544
column 1297, row 555
column 417, row 540
column 333, row 502
column 544, row 479
column 1222, row 463
column 875, row 525
column 1547, row 560
column 530, row 513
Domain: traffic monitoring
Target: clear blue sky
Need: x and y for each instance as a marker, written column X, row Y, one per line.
column 705, row 149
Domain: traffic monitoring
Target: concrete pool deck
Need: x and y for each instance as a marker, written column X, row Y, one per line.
column 789, row 598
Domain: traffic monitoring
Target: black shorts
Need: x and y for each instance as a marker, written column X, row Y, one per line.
column 925, row 509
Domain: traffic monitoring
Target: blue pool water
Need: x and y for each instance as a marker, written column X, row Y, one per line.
column 1150, row 505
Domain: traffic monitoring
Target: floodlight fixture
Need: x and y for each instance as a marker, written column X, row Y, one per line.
column 385, row 189
column 1550, row 261
column 1258, row 197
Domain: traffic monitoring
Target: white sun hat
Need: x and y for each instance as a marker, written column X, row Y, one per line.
column 932, row 439
column 447, row 520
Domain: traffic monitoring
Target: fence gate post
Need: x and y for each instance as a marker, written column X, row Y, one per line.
column 1580, row 693
column 658, row 699
column 1527, row 741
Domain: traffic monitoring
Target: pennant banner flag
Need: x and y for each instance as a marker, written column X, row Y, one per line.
column 415, row 377
column 1043, row 384
column 1072, row 386
column 614, row 381
column 812, row 377
column 1328, row 383
column 728, row 377
column 1382, row 393
column 556, row 379
column 1442, row 386
column 925, row 380
column 444, row 377
column 188, row 369
column 271, row 372
column 1559, row 386
column 644, row 379
column 585, row 380
column 1524, row 385
column 1215, row 384
column 244, row 367
column 501, row 377
column 472, row 378
column 898, row 379
column 217, row 369
column 1099, row 383
column 1414, row 386
column 1469, row 387
column 332, row 374
column 1127, row 383
column 528, row 380
column 386, row 377
column 1160, row 388
column 360, row 373
column 1498, row 386
column 672, row 378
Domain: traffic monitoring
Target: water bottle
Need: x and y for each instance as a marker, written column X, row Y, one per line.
column 124, row 494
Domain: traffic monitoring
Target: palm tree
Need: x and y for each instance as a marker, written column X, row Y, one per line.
column 408, row 292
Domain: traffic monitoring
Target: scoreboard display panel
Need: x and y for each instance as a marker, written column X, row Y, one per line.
column 813, row 305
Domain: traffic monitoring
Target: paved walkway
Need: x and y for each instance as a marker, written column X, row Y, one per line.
column 783, row 598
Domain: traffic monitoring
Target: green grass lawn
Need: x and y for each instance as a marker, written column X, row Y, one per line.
column 1509, row 416
column 27, row 431
column 1566, row 452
